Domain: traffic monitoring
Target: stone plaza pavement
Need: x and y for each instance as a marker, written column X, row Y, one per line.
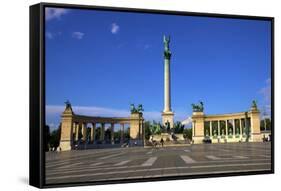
column 132, row 163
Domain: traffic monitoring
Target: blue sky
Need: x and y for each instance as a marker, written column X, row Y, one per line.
column 103, row 61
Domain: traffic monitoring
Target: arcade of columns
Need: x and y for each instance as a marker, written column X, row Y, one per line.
column 72, row 125
column 227, row 127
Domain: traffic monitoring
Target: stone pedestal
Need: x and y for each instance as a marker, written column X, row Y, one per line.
column 198, row 127
column 256, row 136
column 66, row 130
column 136, row 128
column 168, row 117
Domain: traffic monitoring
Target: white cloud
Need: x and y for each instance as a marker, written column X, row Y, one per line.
column 152, row 115
column 53, row 113
column 52, row 110
column 78, row 35
column 52, row 35
column 187, row 121
column 91, row 111
column 266, row 93
column 55, row 13
column 115, row 28
column 49, row 35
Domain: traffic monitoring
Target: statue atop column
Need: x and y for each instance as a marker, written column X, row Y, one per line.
column 167, row 52
column 198, row 107
column 68, row 108
column 67, row 104
column 254, row 105
column 139, row 109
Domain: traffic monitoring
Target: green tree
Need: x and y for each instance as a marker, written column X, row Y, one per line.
column 147, row 130
column 127, row 134
column 97, row 133
column 187, row 133
column 107, row 135
column 47, row 138
column 178, row 127
column 54, row 140
column 155, row 128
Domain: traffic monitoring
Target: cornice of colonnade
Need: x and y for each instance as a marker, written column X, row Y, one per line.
column 97, row 119
column 226, row 116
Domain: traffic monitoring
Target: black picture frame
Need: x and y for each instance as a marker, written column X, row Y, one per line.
column 37, row 93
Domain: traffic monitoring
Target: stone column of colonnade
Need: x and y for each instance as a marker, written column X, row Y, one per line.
column 226, row 128
column 76, row 134
column 241, row 130
column 211, row 129
column 102, row 133
column 219, row 128
column 233, row 132
column 84, row 131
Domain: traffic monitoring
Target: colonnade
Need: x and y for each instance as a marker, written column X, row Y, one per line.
column 214, row 128
column 81, row 128
column 233, row 127
column 74, row 129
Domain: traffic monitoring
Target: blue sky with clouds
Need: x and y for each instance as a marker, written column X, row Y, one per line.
column 103, row 61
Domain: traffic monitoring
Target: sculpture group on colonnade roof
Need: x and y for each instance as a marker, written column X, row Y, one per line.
column 198, row 107
column 136, row 110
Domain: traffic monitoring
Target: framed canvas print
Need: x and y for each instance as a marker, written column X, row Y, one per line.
column 123, row 95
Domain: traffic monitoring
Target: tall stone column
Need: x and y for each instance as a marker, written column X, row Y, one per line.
column 84, row 132
column 167, row 84
column 167, row 114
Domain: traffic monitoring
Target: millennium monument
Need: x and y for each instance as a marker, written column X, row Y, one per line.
column 167, row 114
column 222, row 128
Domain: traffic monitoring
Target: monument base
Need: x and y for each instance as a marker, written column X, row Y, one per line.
column 168, row 117
column 256, row 137
column 167, row 137
column 65, row 145
column 136, row 142
column 197, row 139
